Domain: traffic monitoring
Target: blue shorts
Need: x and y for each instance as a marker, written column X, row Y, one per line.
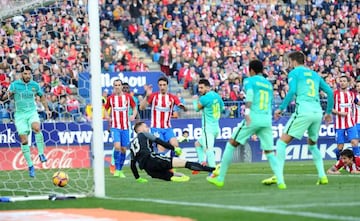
column 349, row 133
column 121, row 136
column 163, row 133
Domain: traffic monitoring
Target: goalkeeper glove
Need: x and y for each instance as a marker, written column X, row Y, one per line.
column 177, row 151
column 141, row 180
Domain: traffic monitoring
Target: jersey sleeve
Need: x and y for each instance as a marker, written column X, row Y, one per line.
column 151, row 137
column 176, row 99
column 107, row 104
column 292, row 91
column 249, row 92
column 330, row 95
column 40, row 92
column 132, row 101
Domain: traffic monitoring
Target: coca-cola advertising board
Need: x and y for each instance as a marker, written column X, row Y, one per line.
column 57, row 157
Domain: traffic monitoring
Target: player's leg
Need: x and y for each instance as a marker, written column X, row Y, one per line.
column 200, row 150
column 39, row 137
column 115, row 134
column 124, row 143
column 267, row 145
column 112, row 163
column 181, row 163
column 340, row 140
column 159, row 167
column 210, row 137
column 170, row 137
column 23, row 129
column 294, row 128
column 239, row 137
column 354, row 139
column 158, row 132
column 313, row 133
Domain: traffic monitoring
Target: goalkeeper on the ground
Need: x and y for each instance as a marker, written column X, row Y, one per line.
column 156, row 165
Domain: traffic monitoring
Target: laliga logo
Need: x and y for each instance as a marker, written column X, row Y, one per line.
column 56, row 158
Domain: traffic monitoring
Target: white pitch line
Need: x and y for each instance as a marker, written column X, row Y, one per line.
column 307, row 205
column 244, row 208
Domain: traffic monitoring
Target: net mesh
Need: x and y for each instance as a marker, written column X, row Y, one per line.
column 67, row 134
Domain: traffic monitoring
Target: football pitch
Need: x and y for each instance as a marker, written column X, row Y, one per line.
column 242, row 198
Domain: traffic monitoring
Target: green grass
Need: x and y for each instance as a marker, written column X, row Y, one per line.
column 242, row 198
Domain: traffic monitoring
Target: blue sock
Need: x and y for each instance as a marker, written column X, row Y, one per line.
column 122, row 159
column 317, row 158
column 356, row 151
column 226, row 161
column 117, row 157
column 337, row 153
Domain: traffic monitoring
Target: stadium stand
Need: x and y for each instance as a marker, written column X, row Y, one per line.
column 186, row 40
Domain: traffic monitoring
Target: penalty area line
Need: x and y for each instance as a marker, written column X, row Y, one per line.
column 242, row 208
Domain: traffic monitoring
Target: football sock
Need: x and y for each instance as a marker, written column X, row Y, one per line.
column 281, row 156
column 117, row 159
column 356, row 151
column 337, row 153
column 39, row 139
column 112, row 156
column 198, row 166
column 275, row 166
column 226, row 161
column 26, row 151
column 122, row 159
column 200, row 154
column 210, row 156
column 318, row 161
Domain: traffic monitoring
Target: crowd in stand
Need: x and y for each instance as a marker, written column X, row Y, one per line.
column 189, row 39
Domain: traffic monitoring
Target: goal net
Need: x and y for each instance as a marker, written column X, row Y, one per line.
column 53, row 41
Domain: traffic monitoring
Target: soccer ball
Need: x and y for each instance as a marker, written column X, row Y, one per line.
column 60, row 179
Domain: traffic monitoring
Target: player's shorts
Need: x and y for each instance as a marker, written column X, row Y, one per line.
column 120, row 136
column 163, row 133
column 207, row 139
column 242, row 133
column 298, row 124
column 159, row 167
column 346, row 135
column 23, row 121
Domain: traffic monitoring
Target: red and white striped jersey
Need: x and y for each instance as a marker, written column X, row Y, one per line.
column 120, row 105
column 344, row 102
column 161, row 109
column 355, row 166
column 357, row 110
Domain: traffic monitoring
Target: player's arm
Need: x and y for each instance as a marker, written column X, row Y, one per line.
column 157, row 140
column 290, row 95
column 330, row 96
column 133, row 166
column 333, row 170
column 178, row 103
column 147, row 99
column 134, row 109
column 197, row 104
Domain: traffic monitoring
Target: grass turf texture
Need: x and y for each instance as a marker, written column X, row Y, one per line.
column 242, row 197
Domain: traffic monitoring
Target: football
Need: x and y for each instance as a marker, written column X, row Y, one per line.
column 60, row 179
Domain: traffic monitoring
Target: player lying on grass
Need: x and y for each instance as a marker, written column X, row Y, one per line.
column 156, row 165
column 347, row 161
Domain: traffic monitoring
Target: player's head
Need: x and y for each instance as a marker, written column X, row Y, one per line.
column 255, row 67
column 163, row 83
column 296, row 58
column 117, row 84
column 204, row 86
column 343, row 82
column 347, row 156
column 140, row 127
column 358, row 86
column 25, row 73
column 125, row 87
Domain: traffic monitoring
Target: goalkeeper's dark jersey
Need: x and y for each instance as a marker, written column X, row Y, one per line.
column 141, row 147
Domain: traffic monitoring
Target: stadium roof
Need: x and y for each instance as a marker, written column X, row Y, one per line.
column 9, row 8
